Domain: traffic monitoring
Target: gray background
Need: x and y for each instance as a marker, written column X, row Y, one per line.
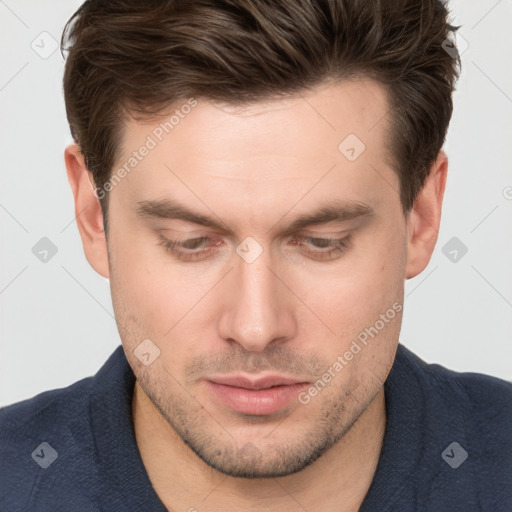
column 56, row 319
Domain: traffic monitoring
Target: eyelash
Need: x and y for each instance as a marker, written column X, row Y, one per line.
column 340, row 246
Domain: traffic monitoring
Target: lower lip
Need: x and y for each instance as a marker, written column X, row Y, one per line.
column 256, row 402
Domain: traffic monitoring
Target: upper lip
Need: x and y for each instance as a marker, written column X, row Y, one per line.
column 268, row 381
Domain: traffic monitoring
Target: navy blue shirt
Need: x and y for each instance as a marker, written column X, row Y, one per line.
column 447, row 445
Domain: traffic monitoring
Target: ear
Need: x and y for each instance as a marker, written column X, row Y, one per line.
column 425, row 217
column 88, row 213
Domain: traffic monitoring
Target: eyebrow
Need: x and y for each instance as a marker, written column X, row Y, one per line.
column 334, row 212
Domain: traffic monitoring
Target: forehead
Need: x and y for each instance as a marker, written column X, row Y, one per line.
column 326, row 113
column 329, row 140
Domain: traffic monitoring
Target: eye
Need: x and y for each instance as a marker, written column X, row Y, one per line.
column 195, row 248
column 185, row 249
column 323, row 248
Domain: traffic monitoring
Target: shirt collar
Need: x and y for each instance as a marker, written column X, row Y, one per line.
column 124, row 480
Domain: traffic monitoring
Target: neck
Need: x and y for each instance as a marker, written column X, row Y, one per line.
column 337, row 481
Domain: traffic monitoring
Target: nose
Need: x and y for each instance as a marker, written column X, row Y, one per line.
column 258, row 310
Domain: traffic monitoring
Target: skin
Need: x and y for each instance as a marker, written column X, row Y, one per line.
column 289, row 312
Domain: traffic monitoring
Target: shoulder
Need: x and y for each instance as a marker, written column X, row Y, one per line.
column 44, row 409
column 487, row 396
column 475, row 411
column 50, row 447
column 483, row 402
column 59, row 409
column 466, row 420
column 50, row 417
column 474, row 406
column 34, row 433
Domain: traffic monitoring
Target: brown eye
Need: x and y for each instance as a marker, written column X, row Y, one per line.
column 192, row 243
column 323, row 248
column 185, row 249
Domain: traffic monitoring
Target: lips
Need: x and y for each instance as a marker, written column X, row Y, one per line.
column 266, row 382
column 255, row 396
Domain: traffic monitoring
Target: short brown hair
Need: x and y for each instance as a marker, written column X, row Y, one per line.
column 132, row 58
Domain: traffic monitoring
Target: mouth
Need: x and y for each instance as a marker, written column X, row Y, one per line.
column 258, row 397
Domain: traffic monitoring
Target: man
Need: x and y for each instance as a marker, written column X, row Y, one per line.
column 257, row 179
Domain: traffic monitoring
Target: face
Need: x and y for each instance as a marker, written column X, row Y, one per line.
column 269, row 335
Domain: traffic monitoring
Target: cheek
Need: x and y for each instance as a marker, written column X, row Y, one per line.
column 175, row 305
column 149, row 285
column 352, row 294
